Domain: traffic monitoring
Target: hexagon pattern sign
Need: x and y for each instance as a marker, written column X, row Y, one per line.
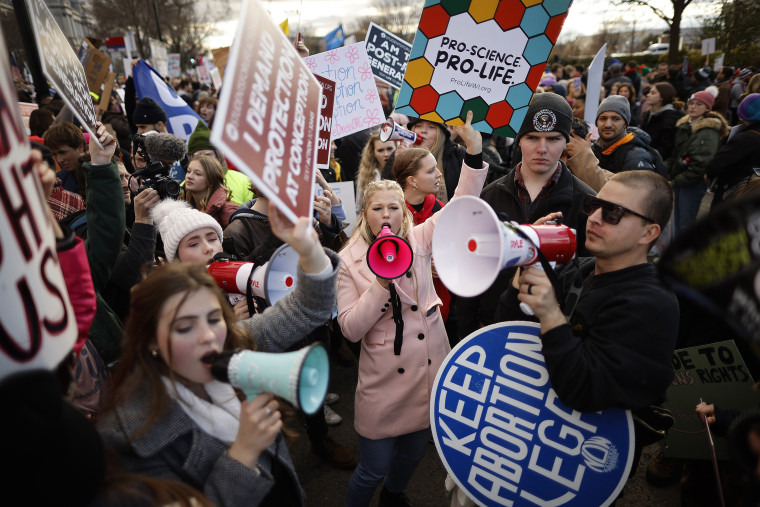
column 481, row 55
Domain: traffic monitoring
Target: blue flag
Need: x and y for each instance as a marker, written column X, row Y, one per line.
column 181, row 120
column 336, row 38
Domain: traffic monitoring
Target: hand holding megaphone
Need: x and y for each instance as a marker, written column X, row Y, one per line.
column 389, row 256
column 392, row 131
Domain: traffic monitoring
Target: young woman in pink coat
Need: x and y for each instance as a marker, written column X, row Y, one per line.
column 393, row 392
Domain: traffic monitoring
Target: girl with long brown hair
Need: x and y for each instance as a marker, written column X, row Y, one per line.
column 205, row 190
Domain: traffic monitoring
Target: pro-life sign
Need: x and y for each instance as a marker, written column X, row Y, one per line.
column 37, row 323
column 506, row 439
column 388, row 55
column 61, row 66
column 482, row 56
column 325, row 121
column 269, row 112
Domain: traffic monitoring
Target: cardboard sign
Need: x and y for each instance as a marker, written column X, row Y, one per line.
column 159, row 56
column 26, row 113
column 506, row 439
column 268, row 113
column 181, row 120
column 716, row 374
column 95, row 63
column 175, row 69
column 221, row 55
column 708, row 46
column 203, row 75
column 716, row 263
column 357, row 103
column 37, row 323
column 61, row 66
column 487, row 57
column 325, row 121
column 388, row 55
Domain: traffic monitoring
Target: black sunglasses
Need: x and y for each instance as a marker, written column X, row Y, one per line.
column 611, row 213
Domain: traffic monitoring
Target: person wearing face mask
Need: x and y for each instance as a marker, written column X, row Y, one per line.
column 403, row 339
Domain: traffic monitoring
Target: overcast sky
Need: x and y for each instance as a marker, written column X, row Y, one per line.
column 324, row 15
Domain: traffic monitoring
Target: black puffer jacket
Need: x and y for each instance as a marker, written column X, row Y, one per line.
column 634, row 153
column 735, row 160
column 661, row 127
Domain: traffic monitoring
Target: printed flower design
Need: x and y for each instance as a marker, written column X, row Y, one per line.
column 372, row 118
column 352, row 54
column 365, row 71
column 332, row 56
column 370, row 95
column 311, row 63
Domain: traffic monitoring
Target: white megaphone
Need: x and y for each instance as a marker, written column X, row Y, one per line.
column 389, row 256
column 392, row 131
column 471, row 245
column 271, row 281
column 300, row 377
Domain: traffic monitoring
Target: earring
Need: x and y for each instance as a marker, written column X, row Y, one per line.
column 154, row 353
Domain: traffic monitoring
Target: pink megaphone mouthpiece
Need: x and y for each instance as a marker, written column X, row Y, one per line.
column 389, row 256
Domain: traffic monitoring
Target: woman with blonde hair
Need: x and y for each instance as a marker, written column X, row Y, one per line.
column 205, row 190
column 403, row 339
column 374, row 156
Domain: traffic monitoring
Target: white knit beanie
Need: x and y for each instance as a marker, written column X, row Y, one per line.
column 177, row 219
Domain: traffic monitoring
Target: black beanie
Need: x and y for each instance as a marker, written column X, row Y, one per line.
column 548, row 112
column 148, row 112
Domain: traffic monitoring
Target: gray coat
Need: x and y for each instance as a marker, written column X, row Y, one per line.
column 177, row 448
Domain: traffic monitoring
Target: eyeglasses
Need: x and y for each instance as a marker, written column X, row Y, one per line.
column 611, row 213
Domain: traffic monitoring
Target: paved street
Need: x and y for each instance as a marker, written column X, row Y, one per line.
column 326, row 486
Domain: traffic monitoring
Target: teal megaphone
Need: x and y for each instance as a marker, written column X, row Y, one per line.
column 300, row 377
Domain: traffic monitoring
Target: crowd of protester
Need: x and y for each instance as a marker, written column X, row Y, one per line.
column 667, row 145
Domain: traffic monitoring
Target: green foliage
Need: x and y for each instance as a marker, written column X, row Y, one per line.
column 736, row 32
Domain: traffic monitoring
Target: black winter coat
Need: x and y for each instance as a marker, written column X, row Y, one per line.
column 635, row 154
column 661, row 127
column 735, row 160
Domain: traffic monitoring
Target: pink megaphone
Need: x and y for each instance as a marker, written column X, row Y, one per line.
column 392, row 131
column 389, row 256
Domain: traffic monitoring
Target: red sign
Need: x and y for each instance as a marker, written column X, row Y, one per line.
column 325, row 121
column 37, row 324
column 269, row 112
column 115, row 43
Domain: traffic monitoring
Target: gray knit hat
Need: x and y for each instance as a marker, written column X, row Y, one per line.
column 548, row 112
column 617, row 104
column 177, row 219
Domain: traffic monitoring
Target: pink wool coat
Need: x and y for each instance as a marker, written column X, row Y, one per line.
column 393, row 392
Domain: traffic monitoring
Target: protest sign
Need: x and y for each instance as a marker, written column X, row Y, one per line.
column 325, row 121
column 37, row 323
column 158, row 56
column 26, row 113
column 506, row 439
column 203, row 75
column 105, row 97
column 95, row 63
column 357, row 104
column 61, row 66
column 220, row 58
column 484, row 57
column 594, row 85
column 719, row 62
column 180, row 118
column 216, row 78
column 708, row 46
column 388, row 55
column 267, row 117
column 716, row 264
column 716, row 374
column 345, row 192
column 175, row 69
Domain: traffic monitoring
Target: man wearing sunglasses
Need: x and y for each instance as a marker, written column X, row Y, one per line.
column 609, row 331
column 538, row 186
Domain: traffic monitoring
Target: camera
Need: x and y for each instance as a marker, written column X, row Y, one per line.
column 154, row 175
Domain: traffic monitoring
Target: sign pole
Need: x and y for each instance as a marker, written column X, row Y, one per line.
column 714, row 461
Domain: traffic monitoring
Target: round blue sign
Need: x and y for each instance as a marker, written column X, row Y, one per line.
column 506, row 439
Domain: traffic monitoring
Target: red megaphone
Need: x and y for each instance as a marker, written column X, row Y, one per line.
column 389, row 256
column 392, row 131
